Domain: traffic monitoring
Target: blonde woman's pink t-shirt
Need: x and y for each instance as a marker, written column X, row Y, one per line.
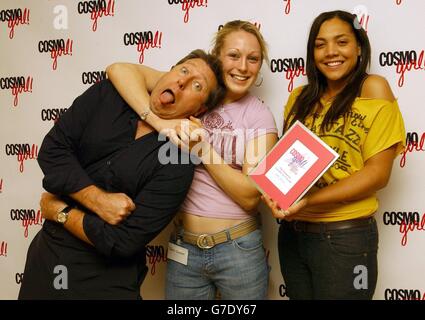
column 230, row 128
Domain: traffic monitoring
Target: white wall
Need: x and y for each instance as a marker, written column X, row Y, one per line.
column 393, row 26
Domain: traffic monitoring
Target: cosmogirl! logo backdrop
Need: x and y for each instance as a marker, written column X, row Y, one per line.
column 291, row 68
column 403, row 294
column 187, row 6
column 3, row 248
column 287, row 5
column 15, row 18
column 52, row 51
column 52, row 114
column 143, row 41
column 22, row 152
column 414, row 144
column 405, row 62
column 407, row 223
column 56, row 48
column 96, row 10
column 26, row 218
column 155, row 255
column 17, row 85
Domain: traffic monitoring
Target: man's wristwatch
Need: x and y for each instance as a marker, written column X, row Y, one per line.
column 145, row 114
column 62, row 216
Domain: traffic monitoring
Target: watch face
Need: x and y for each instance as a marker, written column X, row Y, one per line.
column 62, row 217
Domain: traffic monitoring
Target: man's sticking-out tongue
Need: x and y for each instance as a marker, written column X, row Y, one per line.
column 166, row 97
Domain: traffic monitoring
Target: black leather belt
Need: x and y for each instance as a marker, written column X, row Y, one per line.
column 318, row 227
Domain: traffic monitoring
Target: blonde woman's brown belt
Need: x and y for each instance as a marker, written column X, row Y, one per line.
column 207, row 241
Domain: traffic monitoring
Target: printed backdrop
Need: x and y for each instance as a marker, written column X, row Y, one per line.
column 53, row 50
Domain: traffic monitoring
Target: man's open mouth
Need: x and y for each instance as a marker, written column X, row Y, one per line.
column 167, row 97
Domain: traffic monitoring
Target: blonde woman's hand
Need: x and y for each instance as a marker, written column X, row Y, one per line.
column 288, row 214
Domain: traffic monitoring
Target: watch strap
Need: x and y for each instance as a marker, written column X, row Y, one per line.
column 67, row 209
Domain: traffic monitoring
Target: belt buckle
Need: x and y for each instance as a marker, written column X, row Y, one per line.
column 202, row 241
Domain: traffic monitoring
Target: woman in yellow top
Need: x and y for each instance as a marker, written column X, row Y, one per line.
column 328, row 241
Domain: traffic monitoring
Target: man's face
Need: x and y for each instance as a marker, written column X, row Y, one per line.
column 183, row 91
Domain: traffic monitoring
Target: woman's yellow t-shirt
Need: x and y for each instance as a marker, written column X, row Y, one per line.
column 373, row 125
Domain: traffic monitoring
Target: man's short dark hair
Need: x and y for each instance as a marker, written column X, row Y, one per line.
column 216, row 95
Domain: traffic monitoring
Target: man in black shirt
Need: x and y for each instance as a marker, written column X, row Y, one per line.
column 116, row 193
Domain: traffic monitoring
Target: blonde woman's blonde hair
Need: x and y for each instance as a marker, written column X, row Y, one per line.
column 237, row 25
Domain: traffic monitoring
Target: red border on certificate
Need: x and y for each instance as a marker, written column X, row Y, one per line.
column 326, row 156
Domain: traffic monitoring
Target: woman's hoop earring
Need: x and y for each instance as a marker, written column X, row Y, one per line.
column 261, row 80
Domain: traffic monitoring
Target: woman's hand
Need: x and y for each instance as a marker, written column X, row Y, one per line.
column 288, row 214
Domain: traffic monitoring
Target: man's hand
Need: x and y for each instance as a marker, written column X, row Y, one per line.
column 50, row 205
column 192, row 137
column 167, row 127
column 114, row 207
column 110, row 207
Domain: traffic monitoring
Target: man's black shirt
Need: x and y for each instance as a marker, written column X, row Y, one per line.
column 94, row 143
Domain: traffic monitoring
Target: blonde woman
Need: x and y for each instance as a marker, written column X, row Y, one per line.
column 219, row 219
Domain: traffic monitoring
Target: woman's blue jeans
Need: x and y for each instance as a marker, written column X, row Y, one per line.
column 237, row 269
